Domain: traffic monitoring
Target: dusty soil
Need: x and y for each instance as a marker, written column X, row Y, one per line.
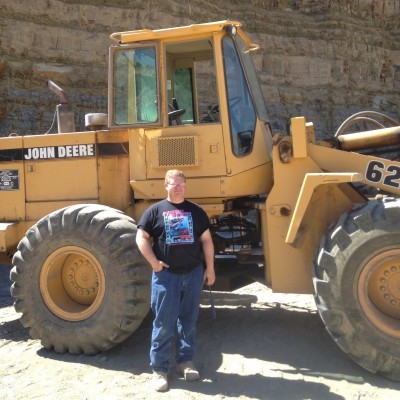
column 260, row 346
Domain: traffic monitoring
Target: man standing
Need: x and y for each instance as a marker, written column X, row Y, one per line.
column 173, row 236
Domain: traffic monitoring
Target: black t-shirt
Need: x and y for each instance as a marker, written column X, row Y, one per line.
column 176, row 231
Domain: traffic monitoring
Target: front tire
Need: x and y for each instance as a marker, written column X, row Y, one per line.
column 80, row 282
column 357, row 285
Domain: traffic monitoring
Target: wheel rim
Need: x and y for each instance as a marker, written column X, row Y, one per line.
column 72, row 283
column 379, row 291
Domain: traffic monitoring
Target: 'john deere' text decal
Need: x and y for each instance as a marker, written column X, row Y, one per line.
column 76, row 150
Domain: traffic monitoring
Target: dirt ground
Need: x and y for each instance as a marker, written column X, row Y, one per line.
column 260, row 346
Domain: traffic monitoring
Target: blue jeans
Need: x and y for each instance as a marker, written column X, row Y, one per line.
column 175, row 301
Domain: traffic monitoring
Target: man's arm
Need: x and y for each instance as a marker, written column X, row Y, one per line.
column 144, row 243
column 208, row 250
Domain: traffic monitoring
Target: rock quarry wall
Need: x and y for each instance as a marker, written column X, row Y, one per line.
column 322, row 59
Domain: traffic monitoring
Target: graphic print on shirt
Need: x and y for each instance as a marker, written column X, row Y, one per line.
column 178, row 227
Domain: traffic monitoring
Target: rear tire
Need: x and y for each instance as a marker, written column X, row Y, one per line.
column 80, row 282
column 357, row 285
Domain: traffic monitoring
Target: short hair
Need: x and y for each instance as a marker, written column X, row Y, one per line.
column 172, row 173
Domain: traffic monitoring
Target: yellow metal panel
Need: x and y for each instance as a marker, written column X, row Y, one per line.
column 195, row 188
column 311, row 181
column 210, row 153
column 298, row 127
column 61, row 139
column 290, row 268
column 289, row 265
column 11, row 142
column 12, row 182
column 203, row 188
column 258, row 156
column 137, row 209
column 12, row 194
column 9, row 235
column 255, row 181
column 114, row 188
column 114, row 136
column 150, row 189
column 37, row 210
column 137, row 154
column 181, row 32
column 60, row 167
column 113, row 169
column 61, row 180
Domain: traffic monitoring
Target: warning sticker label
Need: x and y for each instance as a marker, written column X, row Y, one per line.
column 9, row 179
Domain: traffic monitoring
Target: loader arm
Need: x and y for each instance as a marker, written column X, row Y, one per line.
column 311, row 190
column 375, row 171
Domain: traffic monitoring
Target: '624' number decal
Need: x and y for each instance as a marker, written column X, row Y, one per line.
column 376, row 171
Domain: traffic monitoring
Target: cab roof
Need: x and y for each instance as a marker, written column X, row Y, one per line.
column 176, row 32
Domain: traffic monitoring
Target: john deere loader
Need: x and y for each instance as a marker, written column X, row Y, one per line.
column 313, row 216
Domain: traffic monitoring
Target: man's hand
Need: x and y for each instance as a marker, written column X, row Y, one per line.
column 159, row 265
column 209, row 276
column 144, row 243
column 208, row 250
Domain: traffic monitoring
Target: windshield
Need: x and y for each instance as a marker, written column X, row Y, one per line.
column 242, row 115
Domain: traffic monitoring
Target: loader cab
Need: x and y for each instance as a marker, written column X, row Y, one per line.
column 191, row 78
column 191, row 99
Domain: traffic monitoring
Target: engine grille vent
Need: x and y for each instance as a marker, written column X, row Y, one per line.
column 175, row 152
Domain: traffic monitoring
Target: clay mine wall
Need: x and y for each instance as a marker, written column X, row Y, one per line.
column 322, row 59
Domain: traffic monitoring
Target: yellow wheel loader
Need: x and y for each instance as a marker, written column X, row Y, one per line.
column 313, row 216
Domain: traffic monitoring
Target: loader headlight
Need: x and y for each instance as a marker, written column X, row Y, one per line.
column 285, row 149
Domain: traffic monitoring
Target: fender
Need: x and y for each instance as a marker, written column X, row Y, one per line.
column 310, row 182
column 305, row 200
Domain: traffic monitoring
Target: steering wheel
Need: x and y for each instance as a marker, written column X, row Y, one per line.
column 174, row 115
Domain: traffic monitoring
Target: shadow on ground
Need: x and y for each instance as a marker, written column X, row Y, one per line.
column 264, row 350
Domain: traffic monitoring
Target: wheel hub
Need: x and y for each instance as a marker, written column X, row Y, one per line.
column 72, row 283
column 80, row 279
column 379, row 290
column 384, row 286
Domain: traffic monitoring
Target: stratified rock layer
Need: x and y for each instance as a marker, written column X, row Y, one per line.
column 322, row 59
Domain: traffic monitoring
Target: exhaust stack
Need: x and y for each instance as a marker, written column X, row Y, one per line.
column 65, row 112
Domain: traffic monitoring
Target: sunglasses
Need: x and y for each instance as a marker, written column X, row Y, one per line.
column 174, row 185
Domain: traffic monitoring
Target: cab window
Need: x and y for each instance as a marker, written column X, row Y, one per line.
column 191, row 82
column 135, row 86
